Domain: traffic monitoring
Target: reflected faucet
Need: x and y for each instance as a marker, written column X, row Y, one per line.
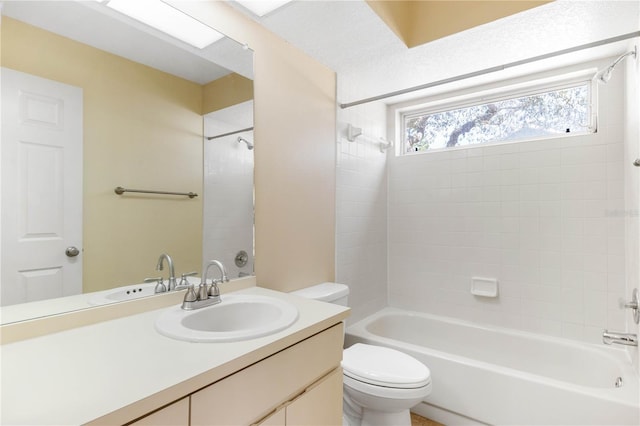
column 171, row 285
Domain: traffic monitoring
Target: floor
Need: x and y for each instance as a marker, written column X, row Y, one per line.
column 417, row 420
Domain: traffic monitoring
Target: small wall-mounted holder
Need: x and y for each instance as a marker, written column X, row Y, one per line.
column 484, row 287
column 353, row 132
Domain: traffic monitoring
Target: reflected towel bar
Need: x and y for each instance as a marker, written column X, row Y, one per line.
column 120, row 190
column 235, row 132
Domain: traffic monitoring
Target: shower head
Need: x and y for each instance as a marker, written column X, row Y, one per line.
column 249, row 144
column 603, row 76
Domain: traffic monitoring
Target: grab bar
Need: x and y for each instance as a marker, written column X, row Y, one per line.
column 120, row 190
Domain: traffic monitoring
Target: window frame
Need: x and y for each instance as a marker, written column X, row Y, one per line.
column 498, row 91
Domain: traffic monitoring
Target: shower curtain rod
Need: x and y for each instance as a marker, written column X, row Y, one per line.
column 493, row 69
column 230, row 133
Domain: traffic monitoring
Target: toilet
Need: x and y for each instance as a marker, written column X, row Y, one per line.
column 380, row 384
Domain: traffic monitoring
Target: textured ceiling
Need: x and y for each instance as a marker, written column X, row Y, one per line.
column 348, row 37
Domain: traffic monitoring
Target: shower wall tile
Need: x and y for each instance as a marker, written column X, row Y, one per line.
column 361, row 210
column 228, row 198
column 631, row 212
column 546, row 218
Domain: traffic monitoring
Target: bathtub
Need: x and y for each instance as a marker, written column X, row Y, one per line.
column 498, row 376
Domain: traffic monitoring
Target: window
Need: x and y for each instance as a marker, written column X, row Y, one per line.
column 541, row 114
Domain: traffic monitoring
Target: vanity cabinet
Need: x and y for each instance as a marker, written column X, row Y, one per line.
column 300, row 385
column 318, row 405
column 315, row 406
column 176, row 414
column 302, row 380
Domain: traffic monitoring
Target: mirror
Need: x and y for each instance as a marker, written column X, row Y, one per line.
column 147, row 103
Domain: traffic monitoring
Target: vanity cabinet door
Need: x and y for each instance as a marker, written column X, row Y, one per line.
column 321, row 404
column 276, row 419
column 251, row 394
column 176, row 414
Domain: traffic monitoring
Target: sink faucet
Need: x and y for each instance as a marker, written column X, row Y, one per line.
column 171, row 285
column 220, row 266
column 206, row 295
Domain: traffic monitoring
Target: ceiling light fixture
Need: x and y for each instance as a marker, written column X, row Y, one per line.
column 262, row 7
column 167, row 19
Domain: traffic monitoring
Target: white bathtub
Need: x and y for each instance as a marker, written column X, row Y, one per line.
column 499, row 376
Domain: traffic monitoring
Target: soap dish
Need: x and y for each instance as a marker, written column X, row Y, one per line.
column 484, row 287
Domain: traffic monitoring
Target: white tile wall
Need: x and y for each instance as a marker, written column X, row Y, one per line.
column 361, row 239
column 546, row 218
column 228, row 197
column 632, row 187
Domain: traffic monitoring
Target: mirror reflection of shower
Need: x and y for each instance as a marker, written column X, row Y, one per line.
column 249, row 144
column 228, row 224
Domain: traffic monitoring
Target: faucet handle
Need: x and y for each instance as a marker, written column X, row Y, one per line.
column 214, row 290
column 184, row 283
column 634, row 305
column 160, row 287
column 190, row 297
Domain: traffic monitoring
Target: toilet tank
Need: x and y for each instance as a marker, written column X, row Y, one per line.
column 326, row 292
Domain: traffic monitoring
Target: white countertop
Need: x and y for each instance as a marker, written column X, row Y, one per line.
column 115, row 371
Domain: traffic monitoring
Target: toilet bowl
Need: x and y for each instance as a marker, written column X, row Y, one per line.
column 380, row 384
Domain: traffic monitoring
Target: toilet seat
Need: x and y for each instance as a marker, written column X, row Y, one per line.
column 386, row 392
column 386, row 367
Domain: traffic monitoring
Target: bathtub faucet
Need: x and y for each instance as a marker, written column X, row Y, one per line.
column 609, row 337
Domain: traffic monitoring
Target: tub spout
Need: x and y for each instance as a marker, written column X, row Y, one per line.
column 609, row 337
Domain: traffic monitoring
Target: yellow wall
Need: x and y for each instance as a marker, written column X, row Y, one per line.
column 419, row 22
column 226, row 91
column 142, row 129
column 295, row 152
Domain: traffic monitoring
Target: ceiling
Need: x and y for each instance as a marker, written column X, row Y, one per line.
column 350, row 38
column 96, row 25
column 369, row 58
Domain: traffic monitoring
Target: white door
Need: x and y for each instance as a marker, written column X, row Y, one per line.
column 41, row 188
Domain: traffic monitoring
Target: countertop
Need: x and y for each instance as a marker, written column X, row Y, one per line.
column 115, row 371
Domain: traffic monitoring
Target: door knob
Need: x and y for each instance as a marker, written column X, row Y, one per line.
column 72, row 251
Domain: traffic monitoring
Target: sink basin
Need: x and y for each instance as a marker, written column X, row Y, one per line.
column 120, row 294
column 237, row 317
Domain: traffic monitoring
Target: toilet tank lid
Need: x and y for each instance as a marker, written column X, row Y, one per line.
column 326, row 292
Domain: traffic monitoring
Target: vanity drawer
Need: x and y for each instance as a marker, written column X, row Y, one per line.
column 252, row 393
column 319, row 404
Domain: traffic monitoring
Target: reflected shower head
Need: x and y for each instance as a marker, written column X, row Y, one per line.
column 249, row 144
